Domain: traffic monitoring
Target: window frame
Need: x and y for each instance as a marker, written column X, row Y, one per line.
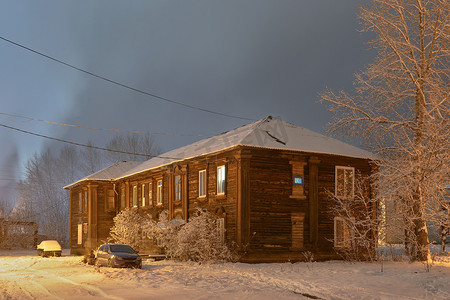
column 143, row 203
column 135, row 195
column 80, row 202
column 80, row 234
column 123, row 198
column 109, row 207
column 336, row 184
column 202, row 183
column 85, row 201
column 150, row 195
column 221, row 184
column 178, row 187
column 347, row 235
column 159, row 192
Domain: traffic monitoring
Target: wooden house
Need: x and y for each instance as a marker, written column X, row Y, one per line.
column 268, row 182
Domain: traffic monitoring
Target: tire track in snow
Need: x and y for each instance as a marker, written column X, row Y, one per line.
column 90, row 289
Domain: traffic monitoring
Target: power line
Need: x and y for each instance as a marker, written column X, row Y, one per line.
column 124, row 85
column 9, row 116
column 84, row 145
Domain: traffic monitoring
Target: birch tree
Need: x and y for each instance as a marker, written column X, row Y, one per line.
column 400, row 107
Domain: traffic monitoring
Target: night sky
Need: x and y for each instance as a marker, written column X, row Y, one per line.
column 249, row 58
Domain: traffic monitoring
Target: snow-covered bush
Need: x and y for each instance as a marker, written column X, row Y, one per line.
column 200, row 240
column 128, row 226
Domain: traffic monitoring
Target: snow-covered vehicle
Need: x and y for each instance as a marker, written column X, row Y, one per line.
column 49, row 247
column 117, row 255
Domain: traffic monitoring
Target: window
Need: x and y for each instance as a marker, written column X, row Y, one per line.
column 122, row 198
column 342, row 234
column 221, row 180
column 80, row 202
column 143, row 195
column 109, row 199
column 159, row 197
column 345, row 182
column 150, row 198
column 135, row 201
column 85, row 204
column 80, row 233
column 202, row 183
column 178, row 188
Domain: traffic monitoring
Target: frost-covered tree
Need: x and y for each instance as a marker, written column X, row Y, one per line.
column 132, row 143
column 41, row 197
column 128, row 227
column 359, row 224
column 401, row 108
column 201, row 239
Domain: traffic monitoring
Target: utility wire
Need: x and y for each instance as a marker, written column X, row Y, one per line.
column 9, row 116
column 124, row 85
column 84, row 145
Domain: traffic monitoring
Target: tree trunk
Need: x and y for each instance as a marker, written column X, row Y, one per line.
column 420, row 228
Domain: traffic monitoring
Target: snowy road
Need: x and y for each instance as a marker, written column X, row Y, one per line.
column 32, row 277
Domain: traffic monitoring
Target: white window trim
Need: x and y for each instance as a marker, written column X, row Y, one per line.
column 336, row 180
column 224, row 181
column 200, row 195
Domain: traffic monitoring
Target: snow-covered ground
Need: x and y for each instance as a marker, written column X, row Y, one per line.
column 26, row 276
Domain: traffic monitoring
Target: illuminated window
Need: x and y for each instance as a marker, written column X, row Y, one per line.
column 135, row 201
column 345, row 182
column 143, row 194
column 202, row 183
column 221, row 180
column 80, row 233
column 159, row 196
column 178, row 188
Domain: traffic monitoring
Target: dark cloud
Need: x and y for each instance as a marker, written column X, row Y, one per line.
column 245, row 58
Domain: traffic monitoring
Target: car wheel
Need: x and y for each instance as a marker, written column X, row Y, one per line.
column 97, row 263
column 109, row 263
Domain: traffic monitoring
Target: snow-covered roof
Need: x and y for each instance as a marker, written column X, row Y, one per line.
column 269, row 132
column 110, row 173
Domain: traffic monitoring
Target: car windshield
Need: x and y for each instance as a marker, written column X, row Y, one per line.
column 121, row 248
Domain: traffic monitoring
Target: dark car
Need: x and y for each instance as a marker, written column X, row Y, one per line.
column 117, row 255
